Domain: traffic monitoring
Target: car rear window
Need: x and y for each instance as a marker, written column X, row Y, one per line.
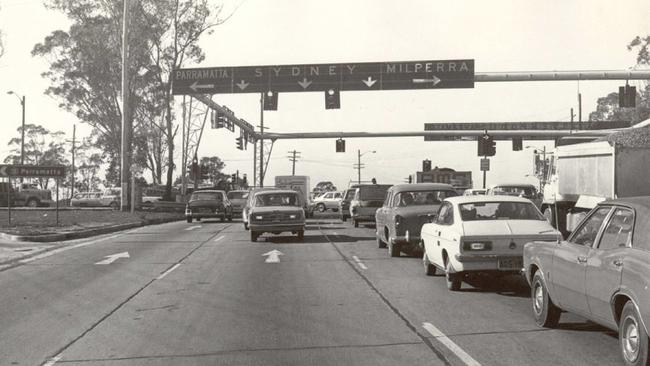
column 483, row 211
column 237, row 195
column 422, row 198
column 374, row 192
column 207, row 196
column 276, row 199
column 527, row 192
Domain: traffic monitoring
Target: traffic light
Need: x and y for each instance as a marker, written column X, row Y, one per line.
column 195, row 170
column 233, row 177
column 205, row 174
column 517, row 144
column 426, row 165
column 340, row 145
column 218, row 120
column 270, row 101
column 627, row 96
column 410, row 179
column 332, row 99
column 486, row 146
column 240, row 143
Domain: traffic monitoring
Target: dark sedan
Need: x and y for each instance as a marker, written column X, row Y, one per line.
column 208, row 204
column 407, row 207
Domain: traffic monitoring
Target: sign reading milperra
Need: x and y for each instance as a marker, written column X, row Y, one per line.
column 400, row 75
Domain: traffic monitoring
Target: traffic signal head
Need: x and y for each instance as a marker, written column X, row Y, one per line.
column 426, row 165
column 240, row 143
column 218, row 120
column 205, row 172
column 195, row 170
column 270, row 101
column 233, row 177
column 340, row 145
column 627, row 96
column 486, row 146
column 332, row 99
column 517, row 144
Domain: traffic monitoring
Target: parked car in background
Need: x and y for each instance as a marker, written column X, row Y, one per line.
column 111, row 197
column 86, row 199
column 367, row 199
column 151, row 195
column 327, row 201
column 249, row 203
column 238, row 200
column 482, row 234
column 406, row 208
column 344, row 203
column 518, row 190
column 601, row 272
column 474, row 192
column 276, row 211
column 208, row 203
column 25, row 194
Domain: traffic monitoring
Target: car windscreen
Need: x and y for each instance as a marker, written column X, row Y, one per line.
column 483, row 211
column 422, row 198
column 206, row 196
column 373, row 193
column 349, row 194
column 237, row 195
column 276, row 199
column 527, row 192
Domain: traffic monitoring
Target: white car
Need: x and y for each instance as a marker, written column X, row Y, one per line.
column 327, row 201
column 481, row 234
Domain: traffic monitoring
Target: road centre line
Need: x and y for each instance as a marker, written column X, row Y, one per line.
column 192, row 227
column 219, row 238
column 361, row 265
column 168, row 271
column 440, row 336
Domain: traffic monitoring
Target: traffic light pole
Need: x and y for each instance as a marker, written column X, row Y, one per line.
column 484, row 174
column 261, row 139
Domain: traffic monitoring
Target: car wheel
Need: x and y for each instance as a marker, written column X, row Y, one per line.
column 321, row 207
column 230, row 218
column 454, row 280
column 254, row 235
column 380, row 243
column 356, row 223
column 632, row 337
column 429, row 268
column 344, row 219
column 32, row 203
column 301, row 234
column 393, row 249
column 189, row 220
column 114, row 205
column 546, row 313
column 245, row 226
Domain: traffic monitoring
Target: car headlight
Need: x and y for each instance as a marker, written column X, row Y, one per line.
column 292, row 216
column 475, row 245
column 259, row 217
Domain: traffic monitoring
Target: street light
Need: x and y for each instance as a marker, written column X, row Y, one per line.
column 22, row 139
column 359, row 154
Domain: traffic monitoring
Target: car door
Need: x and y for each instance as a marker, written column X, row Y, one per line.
column 381, row 216
column 605, row 263
column 444, row 221
column 569, row 268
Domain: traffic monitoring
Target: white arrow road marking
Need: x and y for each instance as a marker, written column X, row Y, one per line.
column 273, row 256
column 52, row 360
column 219, row 238
column 361, row 265
column 168, row 271
column 434, row 80
column 195, row 86
column 242, row 85
column 304, row 83
column 369, row 82
column 113, row 257
column 193, row 227
column 440, row 336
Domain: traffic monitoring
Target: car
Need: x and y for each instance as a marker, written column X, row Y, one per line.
column 208, row 203
column 516, row 189
column 474, row 191
column 86, row 199
column 601, row 272
column 151, row 195
column 327, row 201
column 238, row 200
column 344, row 203
column 406, row 208
column 481, row 234
column 245, row 214
column 276, row 211
column 367, row 199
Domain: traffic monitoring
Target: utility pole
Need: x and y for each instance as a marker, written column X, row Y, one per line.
column 125, row 151
column 293, row 159
column 262, row 139
column 74, row 146
column 580, row 110
column 22, row 139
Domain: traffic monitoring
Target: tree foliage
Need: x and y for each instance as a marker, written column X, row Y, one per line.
column 215, row 167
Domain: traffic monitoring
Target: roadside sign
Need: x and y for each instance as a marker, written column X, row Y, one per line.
column 485, row 164
column 399, row 75
column 27, row 171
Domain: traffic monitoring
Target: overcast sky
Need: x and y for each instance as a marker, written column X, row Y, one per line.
column 498, row 35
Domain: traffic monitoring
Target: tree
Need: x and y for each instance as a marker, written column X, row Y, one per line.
column 215, row 167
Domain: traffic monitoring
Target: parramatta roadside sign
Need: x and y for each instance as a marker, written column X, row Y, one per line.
column 26, row 171
column 400, row 75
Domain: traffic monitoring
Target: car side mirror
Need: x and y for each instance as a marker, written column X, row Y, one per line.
column 432, row 217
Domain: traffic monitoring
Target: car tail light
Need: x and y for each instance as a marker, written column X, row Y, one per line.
column 475, row 245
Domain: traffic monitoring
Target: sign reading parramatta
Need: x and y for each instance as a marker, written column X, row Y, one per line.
column 27, row 171
column 440, row 74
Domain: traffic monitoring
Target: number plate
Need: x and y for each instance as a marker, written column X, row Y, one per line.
column 511, row 263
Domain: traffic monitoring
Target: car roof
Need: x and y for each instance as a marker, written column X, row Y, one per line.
column 208, row 191
column 238, row 190
column 481, row 198
column 641, row 207
column 275, row 191
column 512, row 185
column 421, row 187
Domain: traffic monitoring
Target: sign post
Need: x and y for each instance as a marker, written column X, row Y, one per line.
column 9, row 201
column 485, row 166
column 57, row 202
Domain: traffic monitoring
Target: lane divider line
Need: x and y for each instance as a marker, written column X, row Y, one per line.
column 361, row 265
column 440, row 336
column 52, row 360
column 168, row 271
column 219, row 238
column 192, row 227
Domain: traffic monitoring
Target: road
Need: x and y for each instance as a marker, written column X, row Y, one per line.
column 204, row 294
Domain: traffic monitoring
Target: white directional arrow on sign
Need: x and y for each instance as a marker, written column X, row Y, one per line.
column 433, row 80
column 3, row 171
column 369, row 82
column 113, row 257
column 242, row 85
column 304, row 83
column 196, row 86
column 273, row 256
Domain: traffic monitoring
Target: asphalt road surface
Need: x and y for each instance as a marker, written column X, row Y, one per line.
column 204, row 294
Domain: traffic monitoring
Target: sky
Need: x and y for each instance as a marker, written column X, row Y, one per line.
column 500, row 36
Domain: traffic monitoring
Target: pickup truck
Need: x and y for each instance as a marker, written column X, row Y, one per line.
column 28, row 194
